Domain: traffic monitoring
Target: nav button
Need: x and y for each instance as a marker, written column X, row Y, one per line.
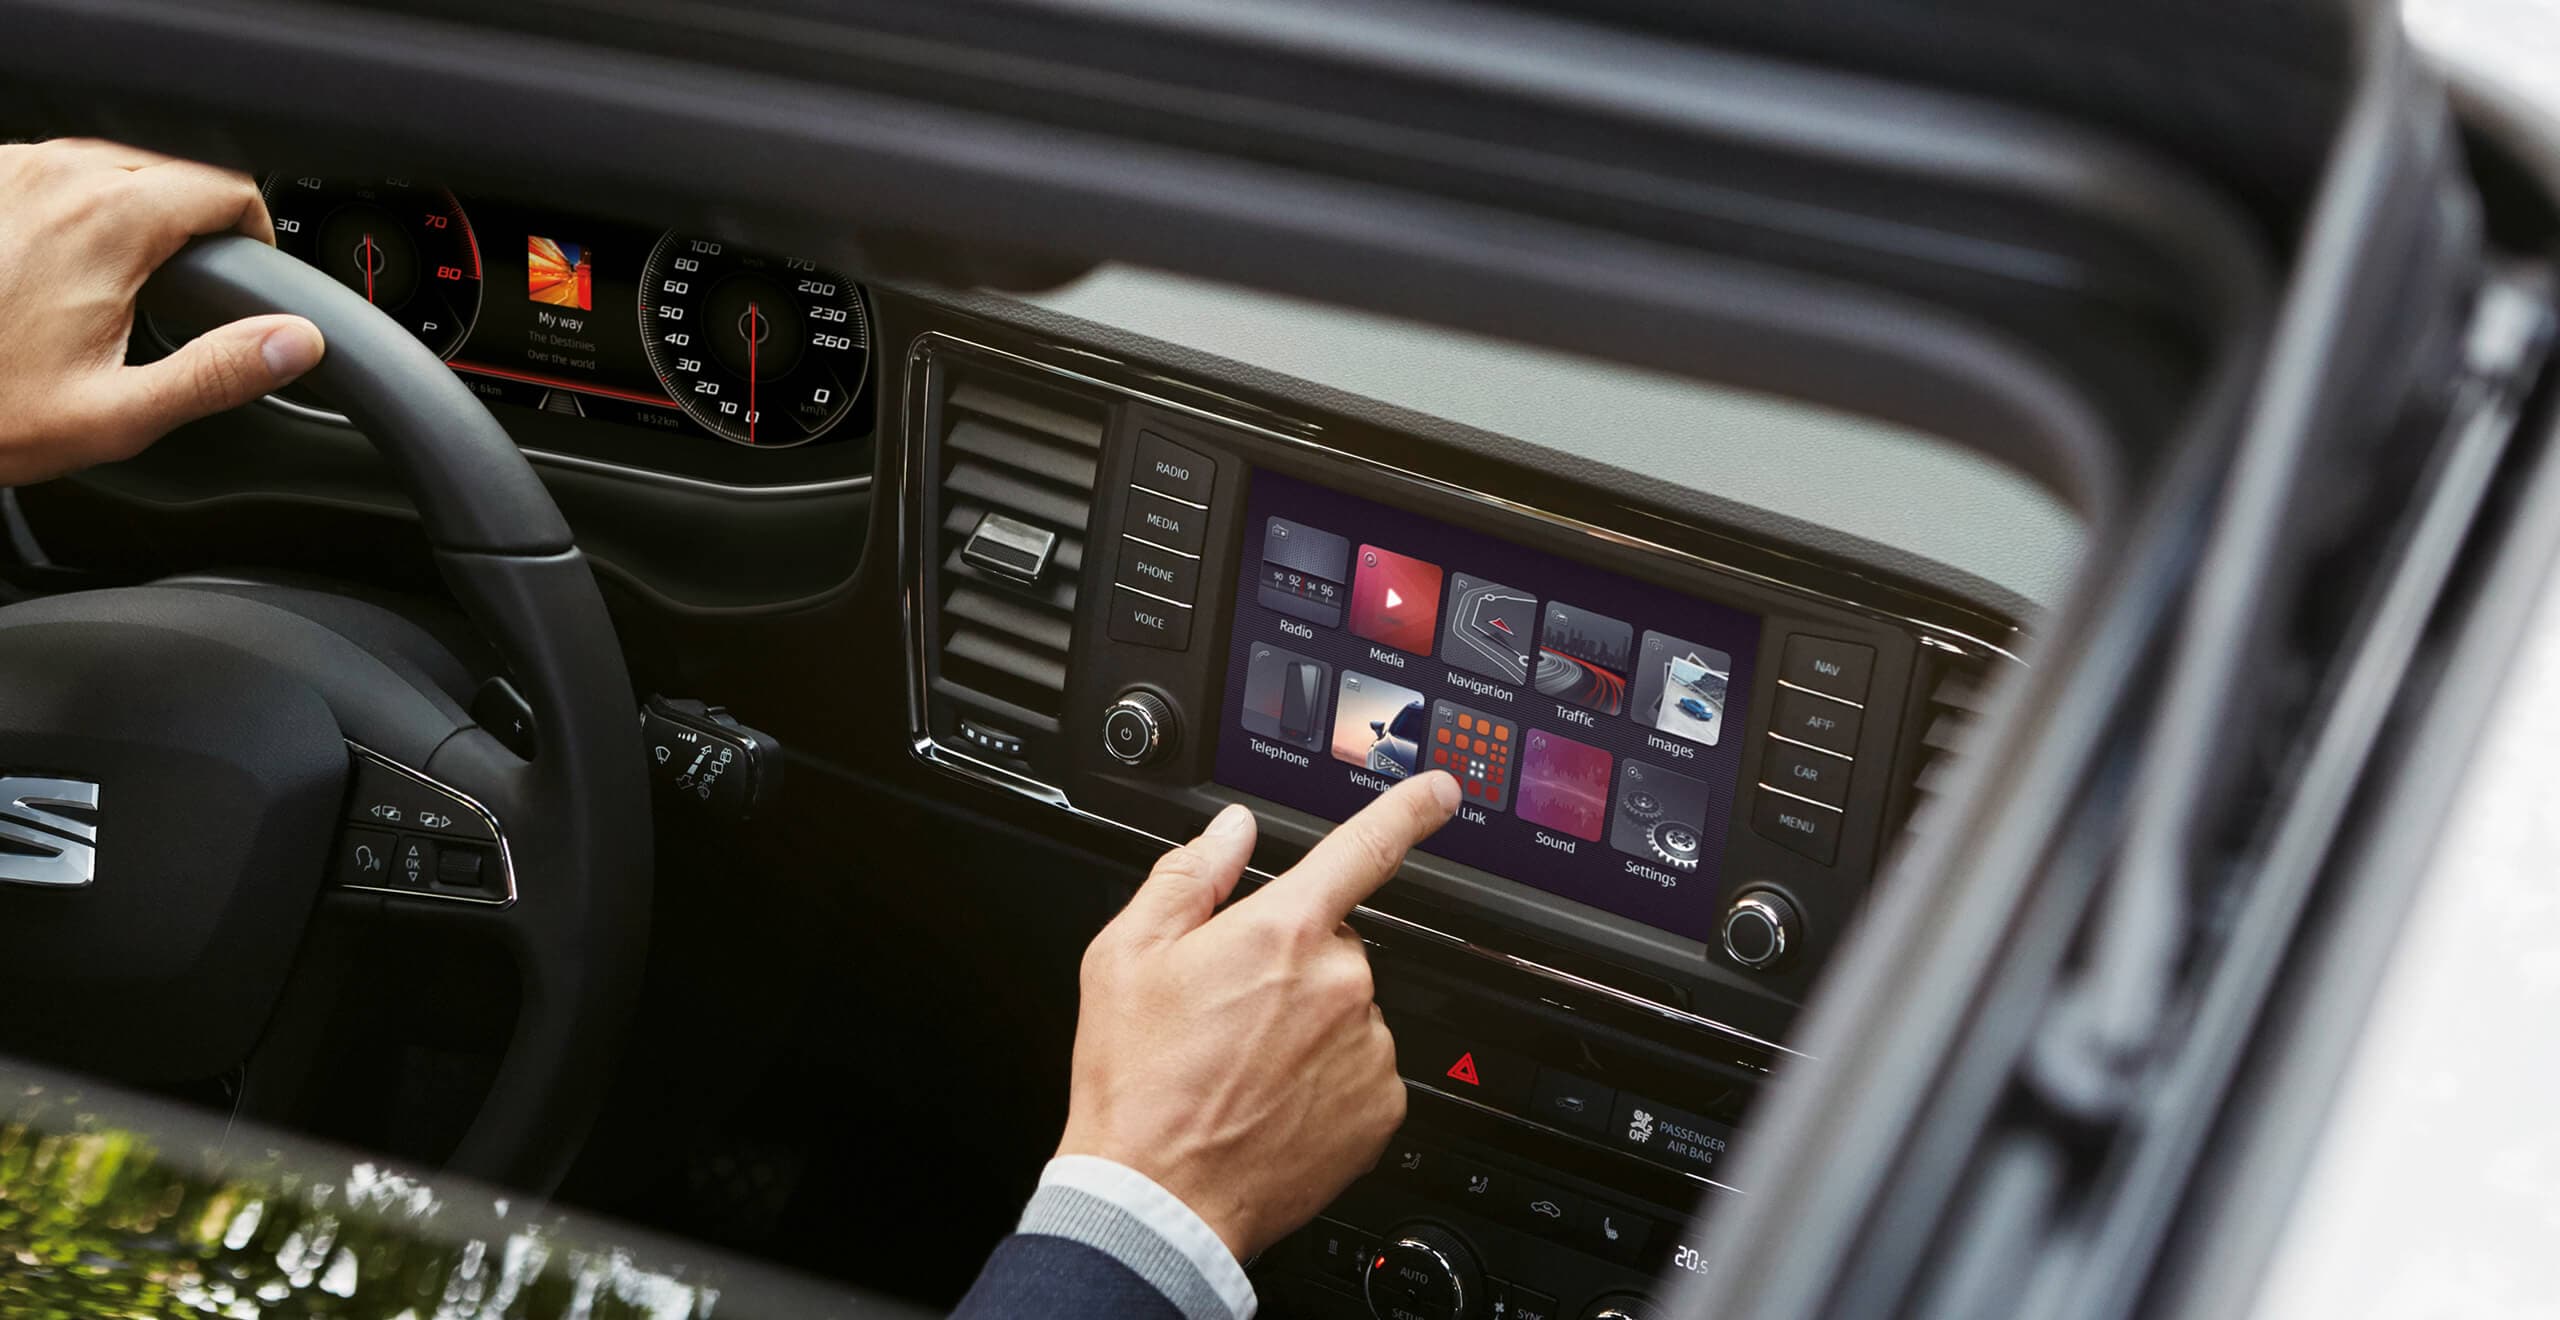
column 1147, row 621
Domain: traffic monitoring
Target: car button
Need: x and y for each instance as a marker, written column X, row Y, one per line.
column 1573, row 1103
column 1170, row 469
column 1838, row 669
column 1167, row 522
column 1147, row 621
column 1806, row 772
column 1159, row 572
column 1815, row 720
column 1797, row 825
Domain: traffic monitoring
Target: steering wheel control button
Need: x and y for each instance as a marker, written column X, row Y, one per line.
column 1162, row 573
column 1834, row 669
column 381, row 797
column 461, row 867
column 413, row 862
column 364, row 858
column 1574, row 1104
column 1806, row 772
column 700, row 757
column 1170, row 469
column 1801, row 826
column 1424, row 1272
column 1138, row 729
column 1761, row 929
column 1166, row 521
column 1149, row 620
column 1816, row 720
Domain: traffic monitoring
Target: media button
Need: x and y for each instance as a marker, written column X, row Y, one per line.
column 1147, row 621
column 1173, row 470
column 1167, row 522
column 1835, row 669
column 1159, row 572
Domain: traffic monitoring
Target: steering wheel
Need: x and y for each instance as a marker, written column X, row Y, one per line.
column 187, row 773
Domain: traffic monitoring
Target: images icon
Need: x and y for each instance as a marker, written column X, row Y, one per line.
column 1303, row 571
column 1377, row 725
column 1659, row 817
column 1477, row 747
column 1395, row 600
column 1489, row 628
column 1564, row 785
column 1680, row 688
column 558, row 273
column 1582, row 658
column 1284, row 696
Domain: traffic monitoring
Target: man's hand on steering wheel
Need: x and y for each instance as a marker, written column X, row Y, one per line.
column 1237, row 1057
column 83, row 225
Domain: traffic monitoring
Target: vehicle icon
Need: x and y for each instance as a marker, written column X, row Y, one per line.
column 1399, row 741
column 1546, row 1209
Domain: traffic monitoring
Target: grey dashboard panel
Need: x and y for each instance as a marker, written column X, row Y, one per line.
column 1870, row 492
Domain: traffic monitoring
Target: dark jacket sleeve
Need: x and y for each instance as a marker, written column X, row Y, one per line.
column 1036, row 1275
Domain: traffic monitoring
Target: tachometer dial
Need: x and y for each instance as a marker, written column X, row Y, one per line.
column 408, row 250
column 765, row 351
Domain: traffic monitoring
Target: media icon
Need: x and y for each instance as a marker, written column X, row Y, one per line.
column 1583, row 658
column 1659, row 817
column 1284, row 696
column 1395, row 600
column 1680, row 688
column 1478, row 747
column 1303, row 571
column 557, row 273
column 1377, row 725
column 1489, row 628
column 1564, row 785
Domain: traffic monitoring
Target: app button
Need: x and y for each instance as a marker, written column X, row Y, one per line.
column 1680, row 688
column 1564, row 785
column 1284, row 696
column 1478, row 747
column 1377, row 725
column 1584, row 658
column 1395, row 600
column 1659, row 817
column 1303, row 571
column 1489, row 628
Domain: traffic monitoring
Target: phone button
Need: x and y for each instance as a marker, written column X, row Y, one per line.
column 1159, row 572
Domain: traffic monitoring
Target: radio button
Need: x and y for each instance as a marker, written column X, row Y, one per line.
column 1838, row 669
column 1147, row 621
column 1816, row 720
column 1167, row 467
column 1159, row 572
column 1167, row 522
column 1806, row 772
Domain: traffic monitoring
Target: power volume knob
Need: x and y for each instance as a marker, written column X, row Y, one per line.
column 1761, row 929
column 1138, row 729
column 1424, row 1272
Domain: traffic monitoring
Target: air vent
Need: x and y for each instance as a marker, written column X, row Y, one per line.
column 1957, row 693
column 1027, row 451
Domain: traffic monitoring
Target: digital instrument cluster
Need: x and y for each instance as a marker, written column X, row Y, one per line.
column 594, row 318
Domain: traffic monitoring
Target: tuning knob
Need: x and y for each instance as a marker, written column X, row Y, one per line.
column 1424, row 1272
column 1138, row 729
column 1761, row 929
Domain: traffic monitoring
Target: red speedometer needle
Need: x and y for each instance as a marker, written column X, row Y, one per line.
column 751, row 373
column 364, row 255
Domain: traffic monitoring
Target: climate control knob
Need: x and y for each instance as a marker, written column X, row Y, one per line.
column 1138, row 729
column 1424, row 1272
column 1761, row 929
column 1622, row 1306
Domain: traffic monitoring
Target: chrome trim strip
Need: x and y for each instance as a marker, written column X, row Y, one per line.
column 1175, row 498
column 506, row 858
column 1167, row 600
column 1780, row 737
column 1153, row 546
column 1772, row 788
column 1794, row 687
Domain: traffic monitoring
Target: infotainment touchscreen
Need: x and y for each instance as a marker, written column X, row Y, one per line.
column 1593, row 721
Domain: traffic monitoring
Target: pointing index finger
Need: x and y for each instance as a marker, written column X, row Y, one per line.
column 1349, row 865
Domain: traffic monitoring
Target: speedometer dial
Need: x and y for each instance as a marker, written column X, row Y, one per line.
column 408, row 250
column 765, row 351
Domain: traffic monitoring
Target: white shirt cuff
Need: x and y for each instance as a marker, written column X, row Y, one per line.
column 1158, row 1212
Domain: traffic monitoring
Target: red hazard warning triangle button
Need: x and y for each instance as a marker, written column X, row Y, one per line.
column 1465, row 1069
